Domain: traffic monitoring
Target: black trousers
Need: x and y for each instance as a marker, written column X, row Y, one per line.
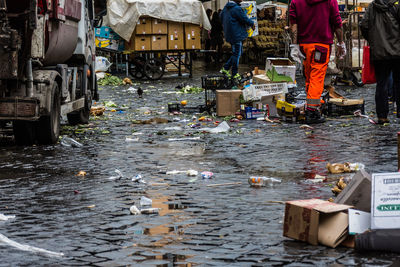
column 383, row 68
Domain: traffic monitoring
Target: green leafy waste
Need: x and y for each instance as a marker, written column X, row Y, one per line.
column 110, row 80
column 191, row 90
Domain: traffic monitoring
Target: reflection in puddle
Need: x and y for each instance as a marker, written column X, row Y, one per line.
column 166, row 208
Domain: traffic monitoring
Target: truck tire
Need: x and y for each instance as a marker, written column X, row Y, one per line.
column 82, row 116
column 48, row 127
column 24, row 132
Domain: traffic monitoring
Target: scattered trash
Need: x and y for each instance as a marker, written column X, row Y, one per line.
column 259, row 181
column 134, row 210
column 175, row 128
column 344, row 167
column 150, row 211
column 29, row 248
column 145, row 201
column 192, row 173
column 189, row 89
column 358, row 113
column 307, row 127
column 109, row 104
column 128, row 139
column 317, row 176
column 207, row 175
column 119, row 175
column 127, row 81
column 76, row 192
column 138, row 179
column 340, row 185
column 69, row 142
column 192, row 180
column 6, row 217
column 97, row 111
column 223, row 127
column 81, row 173
column 91, row 206
column 151, row 121
column 131, row 90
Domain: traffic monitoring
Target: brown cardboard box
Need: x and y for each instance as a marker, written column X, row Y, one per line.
column 175, row 36
column 316, row 221
column 358, row 192
column 140, row 43
column 143, row 26
column 159, row 42
column 159, row 26
column 192, row 36
column 228, row 102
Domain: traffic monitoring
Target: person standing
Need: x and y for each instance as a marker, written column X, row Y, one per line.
column 206, row 36
column 217, row 36
column 235, row 23
column 380, row 26
column 313, row 24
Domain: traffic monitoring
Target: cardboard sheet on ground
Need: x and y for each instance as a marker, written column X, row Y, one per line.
column 123, row 15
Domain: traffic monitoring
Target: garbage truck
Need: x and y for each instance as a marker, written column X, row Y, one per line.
column 47, row 66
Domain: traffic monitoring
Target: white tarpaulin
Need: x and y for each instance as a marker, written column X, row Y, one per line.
column 124, row 14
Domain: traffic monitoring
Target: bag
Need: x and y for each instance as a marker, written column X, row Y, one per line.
column 368, row 70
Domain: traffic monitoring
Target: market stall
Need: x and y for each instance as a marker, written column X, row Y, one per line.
column 154, row 35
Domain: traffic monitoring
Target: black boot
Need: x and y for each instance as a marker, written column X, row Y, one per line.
column 314, row 116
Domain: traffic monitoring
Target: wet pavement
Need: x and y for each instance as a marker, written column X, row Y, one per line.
column 88, row 219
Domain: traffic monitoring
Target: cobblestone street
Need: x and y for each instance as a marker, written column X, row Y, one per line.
column 88, row 218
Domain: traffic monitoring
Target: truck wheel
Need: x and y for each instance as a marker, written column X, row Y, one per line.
column 24, row 132
column 48, row 127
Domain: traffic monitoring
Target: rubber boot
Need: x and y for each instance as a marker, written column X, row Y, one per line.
column 313, row 116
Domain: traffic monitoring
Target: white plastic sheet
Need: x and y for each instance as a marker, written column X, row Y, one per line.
column 122, row 15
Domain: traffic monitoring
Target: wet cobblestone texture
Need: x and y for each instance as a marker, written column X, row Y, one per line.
column 198, row 225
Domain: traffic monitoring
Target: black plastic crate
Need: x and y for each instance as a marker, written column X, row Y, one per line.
column 173, row 107
column 214, row 82
column 336, row 110
column 197, row 109
column 211, row 98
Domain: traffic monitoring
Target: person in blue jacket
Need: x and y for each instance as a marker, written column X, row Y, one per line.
column 235, row 23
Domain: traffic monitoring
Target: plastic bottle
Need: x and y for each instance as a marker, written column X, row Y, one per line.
column 259, row 181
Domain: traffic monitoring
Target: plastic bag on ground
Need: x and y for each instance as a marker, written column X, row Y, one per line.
column 102, row 64
column 69, row 142
column 118, row 176
column 223, row 127
column 145, row 201
column 6, row 217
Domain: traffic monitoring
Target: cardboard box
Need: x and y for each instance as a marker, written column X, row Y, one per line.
column 159, row 26
column 192, row 36
column 228, row 102
column 385, row 201
column 116, row 45
column 139, row 43
column 280, row 70
column 251, row 113
column 143, row 26
column 358, row 192
column 159, row 42
column 261, row 79
column 175, row 36
column 316, row 221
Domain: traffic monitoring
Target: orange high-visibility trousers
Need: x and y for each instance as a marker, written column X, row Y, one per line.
column 315, row 66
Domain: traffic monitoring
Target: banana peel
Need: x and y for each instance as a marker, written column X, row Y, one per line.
column 340, row 185
column 97, row 111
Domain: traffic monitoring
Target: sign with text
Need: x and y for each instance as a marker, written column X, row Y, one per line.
column 385, row 201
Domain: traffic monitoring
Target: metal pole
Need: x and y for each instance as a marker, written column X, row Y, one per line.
column 29, row 78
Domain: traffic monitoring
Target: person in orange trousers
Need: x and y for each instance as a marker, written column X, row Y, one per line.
column 313, row 24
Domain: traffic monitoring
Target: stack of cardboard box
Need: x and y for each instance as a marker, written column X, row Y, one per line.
column 153, row 34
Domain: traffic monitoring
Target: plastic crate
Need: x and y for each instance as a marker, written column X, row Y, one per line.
column 197, row 109
column 211, row 98
column 214, row 82
column 174, row 107
column 339, row 110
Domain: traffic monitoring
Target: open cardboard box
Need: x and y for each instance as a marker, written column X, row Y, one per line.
column 316, row 221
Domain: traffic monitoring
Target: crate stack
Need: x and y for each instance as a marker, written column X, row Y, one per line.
column 210, row 84
column 152, row 34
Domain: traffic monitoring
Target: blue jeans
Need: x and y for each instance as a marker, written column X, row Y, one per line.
column 234, row 59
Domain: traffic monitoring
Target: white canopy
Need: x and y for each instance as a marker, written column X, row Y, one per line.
column 124, row 14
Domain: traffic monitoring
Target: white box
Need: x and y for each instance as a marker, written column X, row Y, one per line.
column 283, row 66
column 359, row 221
column 385, row 201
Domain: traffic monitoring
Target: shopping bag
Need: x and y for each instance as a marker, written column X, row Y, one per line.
column 368, row 70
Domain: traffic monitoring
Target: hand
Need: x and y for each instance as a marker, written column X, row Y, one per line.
column 341, row 50
column 296, row 54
